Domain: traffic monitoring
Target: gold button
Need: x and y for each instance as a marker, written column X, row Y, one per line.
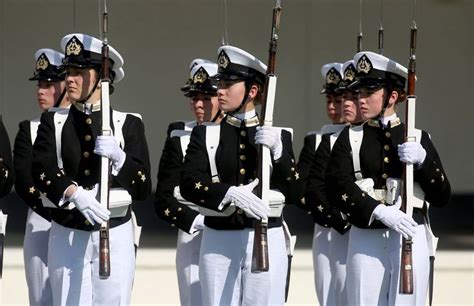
column 242, row 171
column 432, row 181
column 242, row 146
column 386, row 147
column 88, row 137
column 133, row 182
column 87, row 172
column 206, row 188
column 48, row 183
column 386, row 160
column 85, row 154
column 172, row 225
column 58, row 174
column 180, row 209
column 174, row 218
column 86, row 222
column 89, row 121
column 387, row 134
column 139, row 173
column 202, row 201
column 241, row 184
column 1, row 159
column 292, row 169
column 242, row 157
column 34, row 207
column 384, row 176
column 437, row 170
column 243, row 133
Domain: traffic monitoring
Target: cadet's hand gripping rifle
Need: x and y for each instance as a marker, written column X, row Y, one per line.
column 406, row 265
column 260, row 246
column 104, row 248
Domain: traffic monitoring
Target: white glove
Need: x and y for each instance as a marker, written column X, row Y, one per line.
column 395, row 219
column 270, row 137
column 198, row 224
column 412, row 152
column 245, row 199
column 108, row 146
column 87, row 204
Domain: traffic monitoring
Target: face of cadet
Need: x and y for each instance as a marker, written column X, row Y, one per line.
column 334, row 107
column 230, row 94
column 79, row 82
column 48, row 93
column 371, row 102
column 204, row 106
column 350, row 104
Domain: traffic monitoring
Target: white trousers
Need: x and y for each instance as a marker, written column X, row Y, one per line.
column 35, row 257
column 225, row 269
column 322, row 264
column 338, row 257
column 187, row 268
column 74, row 266
column 373, row 268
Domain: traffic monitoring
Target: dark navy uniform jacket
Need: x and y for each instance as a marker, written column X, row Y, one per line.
column 82, row 166
column 315, row 199
column 236, row 158
column 7, row 174
column 23, row 159
column 169, row 174
column 379, row 160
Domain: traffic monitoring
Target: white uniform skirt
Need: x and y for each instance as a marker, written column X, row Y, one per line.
column 322, row 264
column 35, row 256
column 74, row 266
column 373, row 267
column 225, row 269
column 187, row 268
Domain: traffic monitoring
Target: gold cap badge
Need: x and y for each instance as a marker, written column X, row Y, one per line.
column 223, row 60
column 349, row 73
column 364, row 65
column 200, row 76
column 332, row 77
column 42, row 63
column 73, row 47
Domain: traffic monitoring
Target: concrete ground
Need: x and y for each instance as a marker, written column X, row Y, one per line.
column 156, row 284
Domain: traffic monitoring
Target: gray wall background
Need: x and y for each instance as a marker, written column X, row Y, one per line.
column 159, row 38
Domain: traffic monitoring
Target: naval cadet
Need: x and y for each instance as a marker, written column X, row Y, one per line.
column 363, row 180
column 51, row 94
column 66, row 169
column 201, row 89
column 219, row 175
column 313, row 160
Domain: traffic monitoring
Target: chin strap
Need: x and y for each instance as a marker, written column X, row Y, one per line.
column 248, row 86
column 60, row 98
column 386, row 100
column 93, row 89
column 219, row 112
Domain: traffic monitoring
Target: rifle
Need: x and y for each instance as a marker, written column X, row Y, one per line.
column 260, row 246
column 106, row 130
column 406, row 265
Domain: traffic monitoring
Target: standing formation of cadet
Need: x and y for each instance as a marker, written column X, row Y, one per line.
column 66, row 167
column 51, row 95
column 201, row 89
column 363, row 180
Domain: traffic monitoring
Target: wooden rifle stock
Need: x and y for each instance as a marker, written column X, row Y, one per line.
column 104, row 245
column 260, row 261
column 406, row 264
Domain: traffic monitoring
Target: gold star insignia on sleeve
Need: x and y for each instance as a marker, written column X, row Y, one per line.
column 344, row 197
column 198, row 185
column 297, row 175
column 32, row 189
column 42, row 176
column 167, row 212
column 143, row 178
column 320, row 208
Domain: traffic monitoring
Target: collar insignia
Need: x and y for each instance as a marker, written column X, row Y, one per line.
column 200, row 76
column 376, row 122
column 349, row 73
column 234, row 121
column 223, row 60
column 83, row 107
column 42, row 63
column 333, row 77
column 364, row 65
column 74, row 46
